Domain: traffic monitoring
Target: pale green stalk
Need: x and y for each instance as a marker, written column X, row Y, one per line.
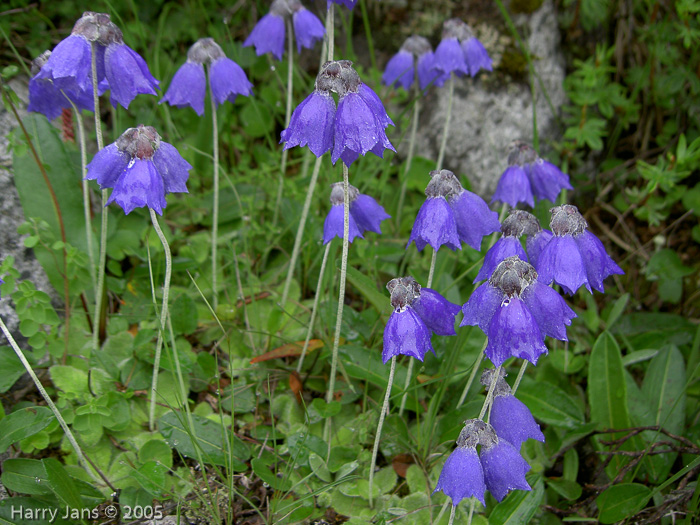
column 520, row 375
column 215, row 211
column 475, row 368
column 448, row 117
column 452, row 515
column 382, row 415
column 309, row 331
column 300, row 230
column 489, row 394
column 99, row 291
column 241, row 297
column 49, row 402
column 330, row 31
column 287, row 117
column 163, row 317
column 341, row 293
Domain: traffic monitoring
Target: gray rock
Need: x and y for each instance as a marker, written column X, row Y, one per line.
column 11, row 216
column 485, row 119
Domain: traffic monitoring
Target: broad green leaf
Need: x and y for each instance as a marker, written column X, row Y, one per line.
column 209, row 437
column 156, row 450
column 23, row 423
column 302, row 444
column 622, row 501
column 368, row 289
column 34, row 512
column 11, row 366
column 566, row 488
column 62, row 484
column 73, row 381
column 617, row 310
column 607, row 392
column 151, row 476
column 639, row 356
column 519, row 506
column 550, row 404
column 26, row 476
column 262, row 469
column 319, row 467
column 183, row 313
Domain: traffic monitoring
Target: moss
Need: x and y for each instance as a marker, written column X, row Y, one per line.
column 513, row 63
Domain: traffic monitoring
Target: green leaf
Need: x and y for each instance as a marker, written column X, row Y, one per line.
column 73, row 381
column 261, row 467
column 368, row 289
column 664, row 388
column 607, row 392
column 319, row 467
column 324, row 410
column 209, row 437
column 551, row 405
column 183, row 313
column 151, row 476
column 35, row 512
column 617, row 310
column 302, row 444
column 622, row 501
column 23, row 423
column 156, row 450
column 566, row 488
column 62, row 484
column 519, row 506
column 26, row 476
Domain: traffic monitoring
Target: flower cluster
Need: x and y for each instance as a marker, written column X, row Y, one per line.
column 365, row 214
column 517, row 224
column 356, row 128
column 141, row 168
column 574, row 257
column 498, row 466
column 529, row 176
column 418, row 313
column 46, row 98
column 516, row 311
column 268, row 34
column 189, row 85
column 451, row 215
column 119, row 68
column 459, row 51
column 414, row 60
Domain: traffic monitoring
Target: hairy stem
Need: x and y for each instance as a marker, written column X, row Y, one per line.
column 521, row 372
column 163, row 317
column 378, row 435
column 215, row 211
column 489, row 394
column 452, row 515
column 310, row 330
column 330, row 31
column 300, row 231
column 448, row 117
column 287, row 117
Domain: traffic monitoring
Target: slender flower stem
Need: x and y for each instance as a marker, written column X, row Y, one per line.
column 409, row 373
column 378, row 435
column 102, row 261
column 310, row 330
column 452, row 515
column 442, row 510
column 52, row 406
column 215, row 211
column 330, row 31
column 489, row 394
column 475, row 369
column 163, row 317
column 409, row 157
column 287, row 117
column 448, row 117
column 471, row 510
column 341, row 293
column 300, row 230
column 520, row 376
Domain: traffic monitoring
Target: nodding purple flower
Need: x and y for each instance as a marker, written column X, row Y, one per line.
column 528, row 176
column 574, row 257
column 119, row 68
column 516, row 311
column 417, row 312
column 189, row 85
column 504, row 468
column 415, row 56
column 268, row 34
column 459, row 51
column 141, row 168
column 365, row 214
column 461, row 475
column 46, row 98
column 355, row 128
column 510, row 417
column 517, row 224
column 535, row 244
column 451, row 215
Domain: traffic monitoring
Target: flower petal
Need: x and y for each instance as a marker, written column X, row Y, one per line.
column 405, row 334
column 513, row 332
column 435, row 225
column 312, row 123
column 228, row 80
column 187, row 88
column 436, row 312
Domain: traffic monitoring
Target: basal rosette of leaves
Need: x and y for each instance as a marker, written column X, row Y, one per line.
column 592, row 413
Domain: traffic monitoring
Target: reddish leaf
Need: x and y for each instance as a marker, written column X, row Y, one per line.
column 296, row 385
column 288, row 350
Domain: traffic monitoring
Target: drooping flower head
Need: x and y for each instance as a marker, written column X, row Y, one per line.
column 459, row 51
column 356, row 128
column 517, row 224
column 529, row 176
column 516, row 311
column 141, row 168
column 269, row 33
column 504, row 467
column 46, row 98
column 189, row 85
column 451, row 215
column 510, row 417
column 119, row 68
column 574, row 257
column 415, row 59
column 418, row 312
column 365, row 214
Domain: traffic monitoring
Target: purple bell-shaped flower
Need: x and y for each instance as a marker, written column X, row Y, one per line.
column 365, row 214
column 414, row 59
column 459, row 51
column 462, row 475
